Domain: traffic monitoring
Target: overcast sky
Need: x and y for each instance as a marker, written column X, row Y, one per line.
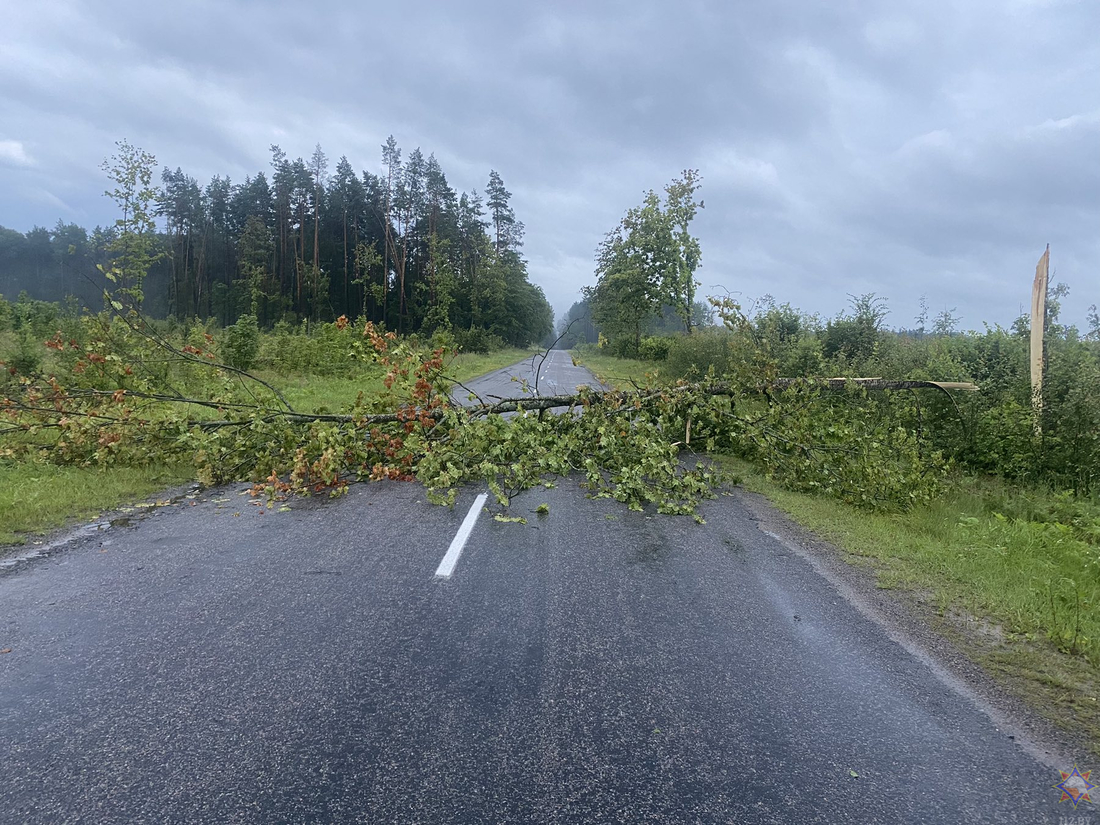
column 903, row 148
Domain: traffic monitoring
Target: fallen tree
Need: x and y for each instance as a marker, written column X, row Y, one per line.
column 859, row 439
column 533, row 402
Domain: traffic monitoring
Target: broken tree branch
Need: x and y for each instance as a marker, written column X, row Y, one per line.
column 550, row 402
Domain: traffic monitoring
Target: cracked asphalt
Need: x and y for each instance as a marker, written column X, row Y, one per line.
column 217, row 661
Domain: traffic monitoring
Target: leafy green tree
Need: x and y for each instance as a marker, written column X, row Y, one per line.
column 507, row 231
column 134, row 248
column 946, row 323
column 649, row 262
column 854, row 336
column 242, row 343
column 623, row 298
column 255, row 249
column 679, row 279
column 632, row 264
column 369, row 275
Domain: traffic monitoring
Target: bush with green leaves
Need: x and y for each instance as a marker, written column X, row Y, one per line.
column 855, row 445
column 25, row 357
column 39, row 319
column 242, row 343
column 323, row 349
column 705, row 350
column 477, row 339
column 622, row 347
column 654, row 348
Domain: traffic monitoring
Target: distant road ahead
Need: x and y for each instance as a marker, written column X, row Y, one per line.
column 556, row 375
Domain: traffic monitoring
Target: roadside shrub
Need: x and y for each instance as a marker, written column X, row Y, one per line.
column 622, row 348
column 39, row 319
column 1003, row 442
column 654, row 348
column 242, row 343
column 693, row 355
column 443, row 338
column 477, row 339
column 850, row 338
column 327, row 350
column 850, row 445
column 26, row 357
column 801, row 357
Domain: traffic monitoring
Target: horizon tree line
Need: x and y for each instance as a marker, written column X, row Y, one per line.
column 399, row 247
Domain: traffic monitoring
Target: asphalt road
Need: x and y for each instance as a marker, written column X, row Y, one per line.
column 216, row 662
column 551, row 374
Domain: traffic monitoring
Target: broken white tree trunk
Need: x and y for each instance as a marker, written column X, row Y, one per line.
column 627, row 399
column 1038, row 330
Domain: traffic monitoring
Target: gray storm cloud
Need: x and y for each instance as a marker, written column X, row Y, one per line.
column 908, row 149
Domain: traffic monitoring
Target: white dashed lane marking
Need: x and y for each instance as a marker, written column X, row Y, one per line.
column 447, row 566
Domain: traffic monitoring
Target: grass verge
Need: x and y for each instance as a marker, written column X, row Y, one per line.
column 336, row 393
column 473, row 364
column 35, row 498
column 1008, row 575
column 620, row 373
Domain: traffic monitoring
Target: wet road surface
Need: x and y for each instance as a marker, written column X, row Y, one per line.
column 218, row 662
column 550, row 373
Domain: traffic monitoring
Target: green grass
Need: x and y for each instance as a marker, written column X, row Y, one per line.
column 35, row 498
column 336, row 394
column 324, row 393
column 1010, row 575
column 472, row 364
column 620, row 373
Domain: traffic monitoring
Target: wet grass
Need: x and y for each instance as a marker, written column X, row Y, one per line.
column 620, row 373
column 472, row 364
column 35, row 498
column 336, row 394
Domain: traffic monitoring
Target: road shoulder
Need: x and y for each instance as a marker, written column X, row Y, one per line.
column 952, row 646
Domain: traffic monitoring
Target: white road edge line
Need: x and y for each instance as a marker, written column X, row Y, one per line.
column 447, row 566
